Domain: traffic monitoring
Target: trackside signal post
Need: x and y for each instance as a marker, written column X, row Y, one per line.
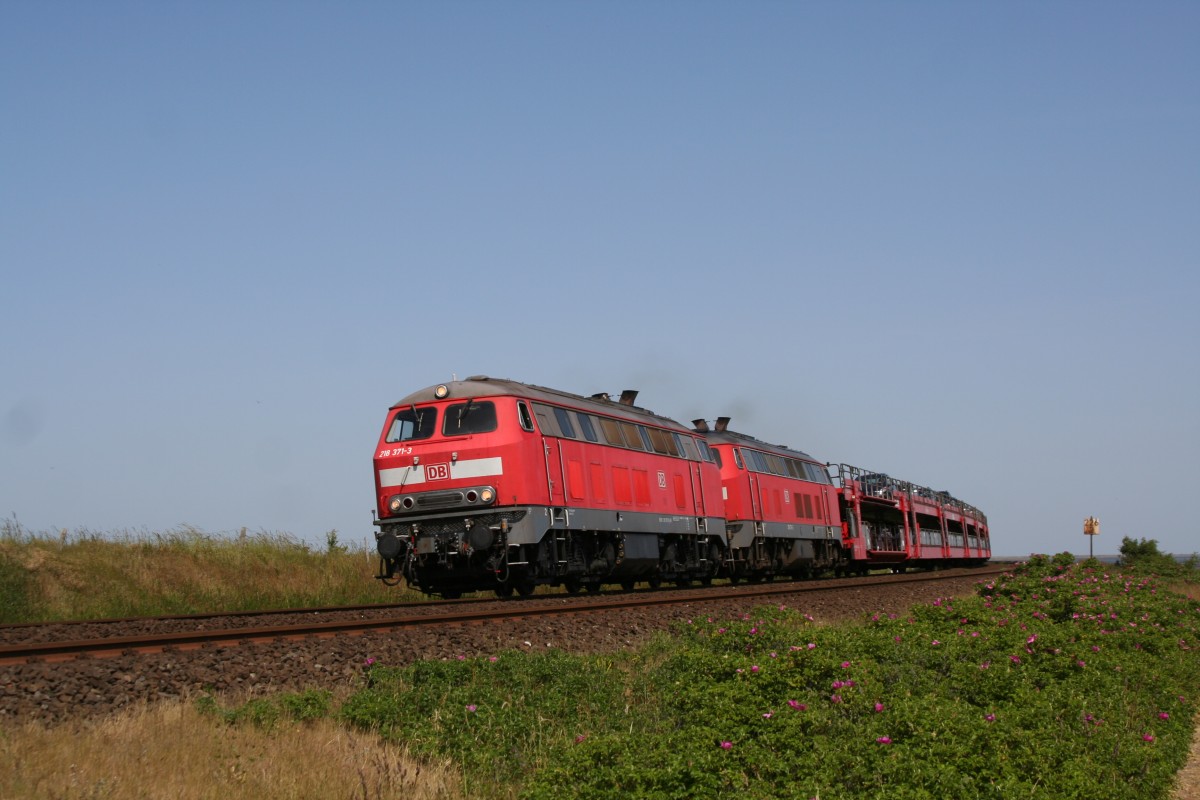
column 1091, row 529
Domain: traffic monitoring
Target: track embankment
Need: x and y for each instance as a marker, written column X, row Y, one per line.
column 77, row 671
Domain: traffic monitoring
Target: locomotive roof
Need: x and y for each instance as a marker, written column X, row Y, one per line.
column 742, row 439
column 479, row 386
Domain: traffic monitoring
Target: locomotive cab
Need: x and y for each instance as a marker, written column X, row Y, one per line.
column 443, row 500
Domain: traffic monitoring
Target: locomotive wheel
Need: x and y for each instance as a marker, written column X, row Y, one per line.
column 654, row 581
column 627, row 585
column 504, row 590
column 525, row 587
column 593, row 588
column 572, row 585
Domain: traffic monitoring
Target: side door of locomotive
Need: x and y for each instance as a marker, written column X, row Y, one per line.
column 553, row 461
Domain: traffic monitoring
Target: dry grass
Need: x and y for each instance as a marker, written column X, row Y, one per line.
column 1188, row 588
column 87, row 575
column 173, row 751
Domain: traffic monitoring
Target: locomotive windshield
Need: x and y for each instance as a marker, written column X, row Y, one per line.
column 413, row 423
column 473, row 416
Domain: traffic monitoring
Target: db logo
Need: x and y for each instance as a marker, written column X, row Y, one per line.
column 437, row 472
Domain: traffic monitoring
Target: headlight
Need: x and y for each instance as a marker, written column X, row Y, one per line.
column 487, row 495
column 441, row 392
column 399, row 503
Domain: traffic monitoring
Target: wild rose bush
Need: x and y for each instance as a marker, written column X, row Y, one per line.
column 1054, row 681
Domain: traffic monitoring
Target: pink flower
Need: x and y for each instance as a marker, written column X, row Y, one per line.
column 879, row 708
column 768, row 715
column 812, row 646
column 835, row 698
column 726, row 745
column 369, row 661
column 845, row 665
column 492, row 659
column 579, row 738
column 797, row 705
column 884, row 740
column 754, row 668
column 1164, row 715
column 472, row 707
column 990, row 717
column 1149, row 737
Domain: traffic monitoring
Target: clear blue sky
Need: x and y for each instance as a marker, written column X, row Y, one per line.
column 956, row 242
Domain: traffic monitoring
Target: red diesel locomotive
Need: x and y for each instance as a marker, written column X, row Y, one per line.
column 782, row 514
column 495, row 484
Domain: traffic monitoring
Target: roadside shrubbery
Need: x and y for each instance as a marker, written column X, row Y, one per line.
column 1143, row 555
column 1056, row 681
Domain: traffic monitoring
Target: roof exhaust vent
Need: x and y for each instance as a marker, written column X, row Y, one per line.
column 722, row 423
column 700, row 425
column 628, row 396
column 601, row 396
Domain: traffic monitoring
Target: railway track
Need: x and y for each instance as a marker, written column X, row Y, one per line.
column 355, row 620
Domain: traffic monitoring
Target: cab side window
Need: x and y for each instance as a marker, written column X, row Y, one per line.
column 523, row 416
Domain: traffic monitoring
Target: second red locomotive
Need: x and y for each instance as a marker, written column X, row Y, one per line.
column 495, row 484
